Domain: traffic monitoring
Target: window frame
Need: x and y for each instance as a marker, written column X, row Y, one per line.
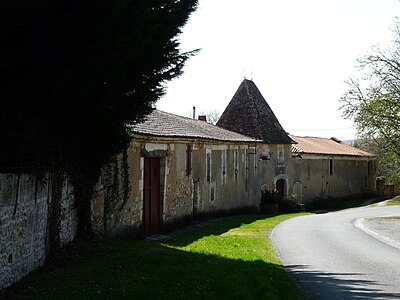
column 236, row 164
column 189, row 159
column 208, row 165
column 280, row 155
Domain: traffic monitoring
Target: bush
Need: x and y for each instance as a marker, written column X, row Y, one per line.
column 269, row 197
column 321, row 203
column 286, row 205
column 290, row 205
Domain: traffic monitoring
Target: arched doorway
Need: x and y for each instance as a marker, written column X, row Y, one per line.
column 281, row 187
column 298, row 191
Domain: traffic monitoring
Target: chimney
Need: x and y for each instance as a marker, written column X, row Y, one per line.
column 203, row 118
column 194, row 112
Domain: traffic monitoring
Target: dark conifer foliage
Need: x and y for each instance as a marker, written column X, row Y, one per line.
column 75, row 73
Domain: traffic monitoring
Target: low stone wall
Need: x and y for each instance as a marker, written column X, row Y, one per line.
column 24, row 207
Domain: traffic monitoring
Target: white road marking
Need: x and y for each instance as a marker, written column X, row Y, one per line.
column 359, row 224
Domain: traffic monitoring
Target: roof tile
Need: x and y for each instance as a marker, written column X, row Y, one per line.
column 248, row 113
column 159, row 123
column 317, row 145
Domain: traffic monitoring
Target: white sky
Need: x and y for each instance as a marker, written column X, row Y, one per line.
column 298, row 53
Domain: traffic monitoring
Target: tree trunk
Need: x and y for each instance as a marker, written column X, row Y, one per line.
column 83, row 196
column 54, row 213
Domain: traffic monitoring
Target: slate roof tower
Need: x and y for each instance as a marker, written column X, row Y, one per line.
column 249, row 114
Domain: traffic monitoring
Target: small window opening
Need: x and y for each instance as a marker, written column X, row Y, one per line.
column 236, row 163
column 189, row 150
column 223, row 166
column 212, row 195
column 208, row 167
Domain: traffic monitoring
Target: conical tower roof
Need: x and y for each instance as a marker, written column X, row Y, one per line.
column 248, row 113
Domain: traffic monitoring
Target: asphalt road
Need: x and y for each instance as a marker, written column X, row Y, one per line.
column 351, row 254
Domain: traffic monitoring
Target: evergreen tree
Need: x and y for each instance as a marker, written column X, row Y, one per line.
column 75, row 74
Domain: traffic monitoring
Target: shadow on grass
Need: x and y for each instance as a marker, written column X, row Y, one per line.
column 219, row 226
column 323, row 285
column 148, row 270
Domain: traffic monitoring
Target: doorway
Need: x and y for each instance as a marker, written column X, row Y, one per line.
column 151, row 197
column 280, row 187
column 298, row 191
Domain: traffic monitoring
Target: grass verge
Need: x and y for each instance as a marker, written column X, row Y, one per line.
column 230, row 259
column 394, row 202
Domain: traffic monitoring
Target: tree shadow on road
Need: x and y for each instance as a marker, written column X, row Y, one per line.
column 325, row 285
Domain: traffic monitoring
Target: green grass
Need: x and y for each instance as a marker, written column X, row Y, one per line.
column 230, row 259
column 393, row 202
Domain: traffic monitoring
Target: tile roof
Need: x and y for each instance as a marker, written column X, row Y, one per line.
column 248, row 113
column 163, row 124
column 332, row 146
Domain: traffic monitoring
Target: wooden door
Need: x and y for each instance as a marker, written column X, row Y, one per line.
column 151, row 196
column 280, row 187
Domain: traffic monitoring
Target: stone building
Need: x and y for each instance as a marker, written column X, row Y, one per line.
column 323, row 168
column 305, row 167
column 248, row 113
column 183, row 169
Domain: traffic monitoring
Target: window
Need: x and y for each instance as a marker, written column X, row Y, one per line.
column 208, row 165
column 236, row 163
column 189, row 150
column 223, row 166
column 212, row 194
column 281, row 155
column 246, row 168
column 330, row 166
column 253, row 152
column 369, row 166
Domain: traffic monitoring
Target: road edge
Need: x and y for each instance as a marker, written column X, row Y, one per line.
column 359, row 223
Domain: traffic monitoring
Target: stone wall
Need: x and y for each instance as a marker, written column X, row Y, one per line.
column 184, row 195
column 321, row 177
column 24, row 205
